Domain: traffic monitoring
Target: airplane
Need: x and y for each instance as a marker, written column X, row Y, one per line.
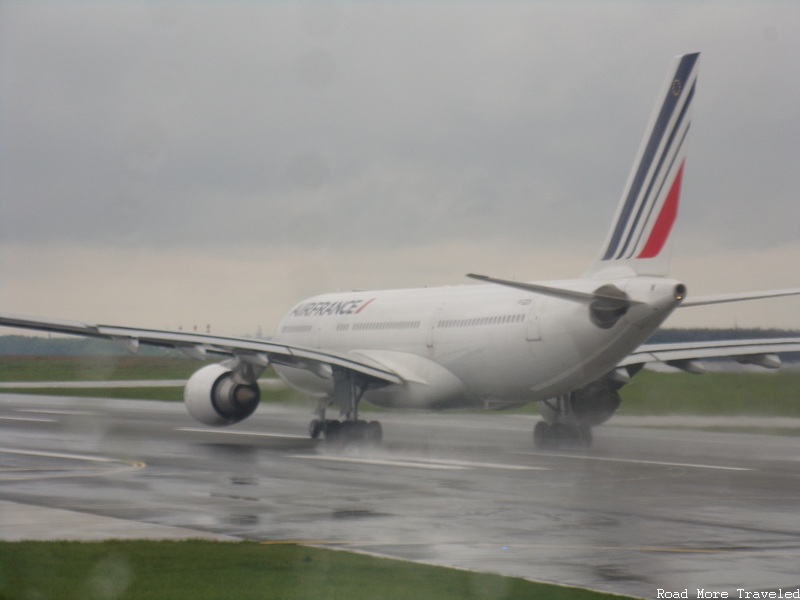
column 569, row 345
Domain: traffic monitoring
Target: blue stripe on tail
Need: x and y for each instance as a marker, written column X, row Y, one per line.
column 625, row 237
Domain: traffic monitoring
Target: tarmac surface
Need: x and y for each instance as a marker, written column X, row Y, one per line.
column 651, row 506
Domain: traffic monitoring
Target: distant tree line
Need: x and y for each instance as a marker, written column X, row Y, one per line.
column 22, row 345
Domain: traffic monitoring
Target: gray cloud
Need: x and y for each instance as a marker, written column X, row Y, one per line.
column 208, row 128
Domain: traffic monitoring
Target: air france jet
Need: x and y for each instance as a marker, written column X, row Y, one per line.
column 569, row 345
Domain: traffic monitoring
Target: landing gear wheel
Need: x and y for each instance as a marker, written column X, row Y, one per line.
column 564, row 435
column 315, row 429
column 352, row 431
column 345, row 433
column 348, row 390
column 547, row 436
column 543, row 436
column 332, row 431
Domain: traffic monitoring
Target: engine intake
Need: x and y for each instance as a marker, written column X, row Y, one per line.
column 214, row 397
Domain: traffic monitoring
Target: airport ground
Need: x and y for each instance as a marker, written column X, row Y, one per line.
column 655, row 504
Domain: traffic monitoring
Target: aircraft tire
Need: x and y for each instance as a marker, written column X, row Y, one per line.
column 346, row 433
column 315, row 429
column 352, row 431
column 332, row 430
column 562, row 435
column 548, row 436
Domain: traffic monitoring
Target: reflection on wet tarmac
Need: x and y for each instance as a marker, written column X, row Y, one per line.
column 646, row 508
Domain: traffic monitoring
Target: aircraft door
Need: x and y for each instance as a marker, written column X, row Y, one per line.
column 533, row 329
column 317, row 334
column 432, row 324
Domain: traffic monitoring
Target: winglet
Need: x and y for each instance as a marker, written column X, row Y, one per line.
column 638, row 240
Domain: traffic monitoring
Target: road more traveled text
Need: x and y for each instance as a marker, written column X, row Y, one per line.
column 739, row 593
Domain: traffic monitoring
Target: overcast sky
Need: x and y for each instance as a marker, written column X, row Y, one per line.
column 169, row 164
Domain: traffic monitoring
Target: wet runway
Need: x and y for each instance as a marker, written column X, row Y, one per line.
column 646, row 508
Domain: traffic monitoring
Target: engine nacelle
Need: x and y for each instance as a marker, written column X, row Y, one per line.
column 213, row 397
column 591, row 405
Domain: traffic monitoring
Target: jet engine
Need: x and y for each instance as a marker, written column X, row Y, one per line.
column 214, row 396
column 588, row 406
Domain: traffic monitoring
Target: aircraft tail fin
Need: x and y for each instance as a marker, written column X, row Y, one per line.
column 638, row 242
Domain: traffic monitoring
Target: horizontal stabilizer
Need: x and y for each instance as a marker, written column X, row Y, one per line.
column 555, row 292
column 739, row 297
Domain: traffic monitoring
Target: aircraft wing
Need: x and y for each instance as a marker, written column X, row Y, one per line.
column 762, row 352
column 200, row 346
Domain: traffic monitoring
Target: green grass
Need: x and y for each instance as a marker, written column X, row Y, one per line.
column 170, row 394
column 762, row 394
column 772, row 431
column 198, row 570
column 94, row 368
column 110, row 368
column 759, row 394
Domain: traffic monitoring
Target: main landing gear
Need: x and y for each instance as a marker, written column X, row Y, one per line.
column 347, row 432
column 550, row 436
column 563, row 427
column 348, row 389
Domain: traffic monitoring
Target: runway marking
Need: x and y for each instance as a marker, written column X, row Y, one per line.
column 638, row 462
column 380, row 462
column 59, row 411
column 250, row 433
column 485, row 465
column 417, row 463
column 125, row 465
column 503, row 547
column 83, row 457
column 28, row 419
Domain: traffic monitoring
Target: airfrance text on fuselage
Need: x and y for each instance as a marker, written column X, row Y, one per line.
column 321, row 309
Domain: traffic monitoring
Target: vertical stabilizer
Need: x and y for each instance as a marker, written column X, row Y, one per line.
column 638, row 242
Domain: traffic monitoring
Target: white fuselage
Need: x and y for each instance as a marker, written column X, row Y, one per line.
column 474, row 345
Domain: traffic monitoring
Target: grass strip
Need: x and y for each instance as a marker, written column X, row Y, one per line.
column 765, row 393
column 749, row 429
column 199, row 570
column 171, row 393
column 95, row 368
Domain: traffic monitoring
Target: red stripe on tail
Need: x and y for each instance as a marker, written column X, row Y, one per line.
column 663, row 225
